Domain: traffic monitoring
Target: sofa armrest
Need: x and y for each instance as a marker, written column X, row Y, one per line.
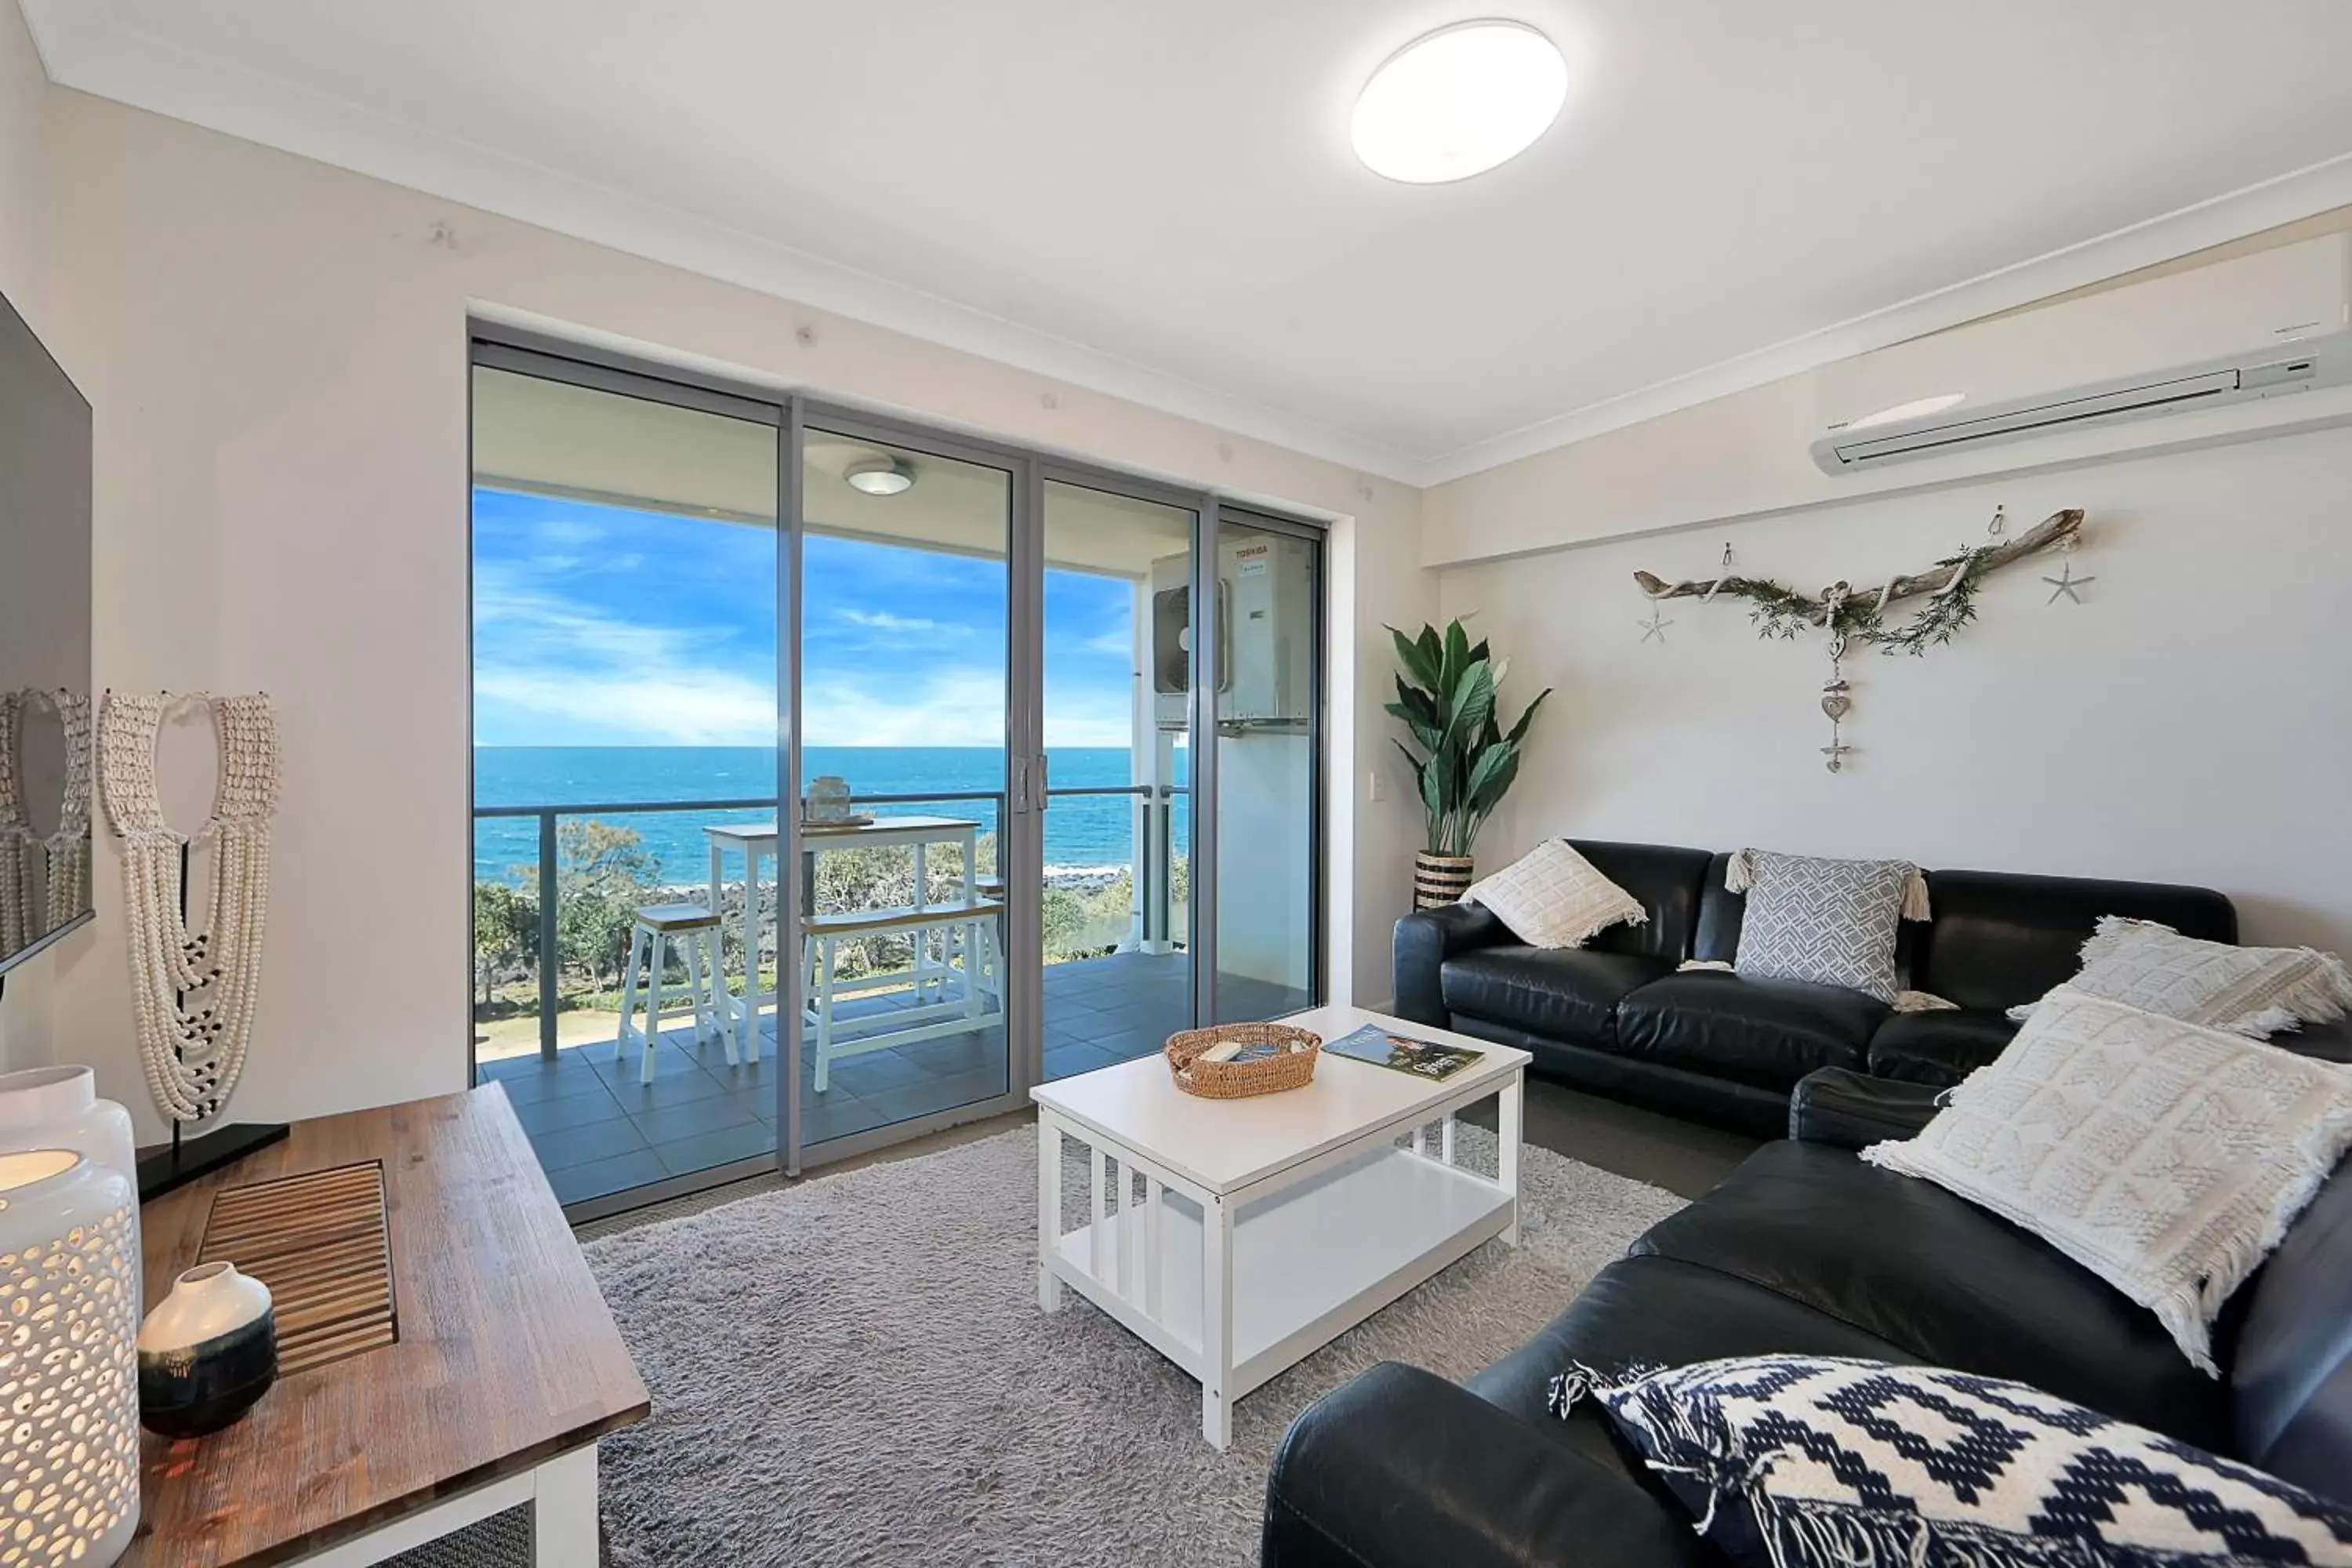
column 1401, row 1467
column 1425, row 941
column 1854, row 1110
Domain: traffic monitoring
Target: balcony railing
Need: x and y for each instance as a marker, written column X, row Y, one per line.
column 1156, row 916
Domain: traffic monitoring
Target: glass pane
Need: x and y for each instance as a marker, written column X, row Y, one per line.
column 1118, row 974
column 1266, row 773
column 625, row 658
column 904, row 585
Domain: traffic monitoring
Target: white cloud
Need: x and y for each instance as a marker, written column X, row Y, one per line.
column 626, row 681
column 569, row 533
column 949, row 707
column 631, row 682
column 702, row 707
column 1119, row 644
column 884, row 621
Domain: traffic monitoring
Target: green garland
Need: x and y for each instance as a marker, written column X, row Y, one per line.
column 1779, row 611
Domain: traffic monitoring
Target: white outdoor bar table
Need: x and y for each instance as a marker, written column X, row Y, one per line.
column 759, row 841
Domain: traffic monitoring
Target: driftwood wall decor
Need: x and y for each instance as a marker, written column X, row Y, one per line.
column 1852, row 616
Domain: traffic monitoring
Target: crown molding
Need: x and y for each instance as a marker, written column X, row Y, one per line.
column 83, row 47
column 2304, row 193
column 82, row 44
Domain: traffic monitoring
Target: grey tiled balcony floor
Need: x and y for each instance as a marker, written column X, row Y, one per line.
column 598, row 1130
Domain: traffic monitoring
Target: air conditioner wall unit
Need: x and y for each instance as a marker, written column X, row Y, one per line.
column 2271, row 324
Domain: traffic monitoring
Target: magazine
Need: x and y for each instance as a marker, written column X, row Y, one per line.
column 1402, row 1053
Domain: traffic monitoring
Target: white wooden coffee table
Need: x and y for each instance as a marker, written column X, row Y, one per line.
column 1266, row 1227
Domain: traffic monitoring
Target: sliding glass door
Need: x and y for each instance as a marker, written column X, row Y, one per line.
column 1117, row 640
column 1267, row 882
column 837, row 780
column 625, row 646
column 904, row 600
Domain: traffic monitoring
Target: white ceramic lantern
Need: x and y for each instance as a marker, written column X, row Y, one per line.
column 69, row 1370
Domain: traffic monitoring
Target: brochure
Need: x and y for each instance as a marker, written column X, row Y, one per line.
column 1402, row 1053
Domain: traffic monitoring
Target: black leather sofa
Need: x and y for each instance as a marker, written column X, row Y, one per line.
column 1614, row 1015
column 1804, row 1249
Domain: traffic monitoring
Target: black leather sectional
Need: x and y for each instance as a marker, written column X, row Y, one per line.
column 1616, row 1018
column 1804, row 1249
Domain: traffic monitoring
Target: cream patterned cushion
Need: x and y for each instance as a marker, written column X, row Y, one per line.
column 1832, row 922
column 2252, row 990
column 2166, row 1158
column 1551, row 896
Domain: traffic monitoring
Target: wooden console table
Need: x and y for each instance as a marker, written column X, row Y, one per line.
column 506, row 1370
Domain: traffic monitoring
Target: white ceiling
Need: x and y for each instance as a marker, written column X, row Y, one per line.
column 1159, row 201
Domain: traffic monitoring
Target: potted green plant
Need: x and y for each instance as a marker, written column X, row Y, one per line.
column 1447, row 695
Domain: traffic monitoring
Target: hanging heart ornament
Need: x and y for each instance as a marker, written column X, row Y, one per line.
column 1837, row 706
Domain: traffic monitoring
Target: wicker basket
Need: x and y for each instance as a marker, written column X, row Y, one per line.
column 1292, row 1068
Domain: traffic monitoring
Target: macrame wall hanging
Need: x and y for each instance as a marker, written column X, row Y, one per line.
column 1852, row 616
column 193, row 991
column 43, row 882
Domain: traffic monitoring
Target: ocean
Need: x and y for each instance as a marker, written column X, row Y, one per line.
column 1082, row 834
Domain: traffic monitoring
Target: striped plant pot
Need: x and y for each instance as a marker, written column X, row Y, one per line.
column 1439, row 879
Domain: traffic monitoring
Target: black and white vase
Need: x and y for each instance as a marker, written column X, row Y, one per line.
column 207, row 1354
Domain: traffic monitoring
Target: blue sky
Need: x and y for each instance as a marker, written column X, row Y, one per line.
column 598, row 626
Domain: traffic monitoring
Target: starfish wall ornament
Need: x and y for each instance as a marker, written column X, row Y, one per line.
column 2065, row 585
column 1655, row 627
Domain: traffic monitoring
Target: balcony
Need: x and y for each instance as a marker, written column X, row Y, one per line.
column 551, row 938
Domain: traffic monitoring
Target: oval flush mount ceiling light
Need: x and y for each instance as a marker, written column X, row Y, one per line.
column 1918, row 409
column 1459, row 101
column 879, row 476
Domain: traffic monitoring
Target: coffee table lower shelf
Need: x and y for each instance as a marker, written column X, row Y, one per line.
column 1235, row 1303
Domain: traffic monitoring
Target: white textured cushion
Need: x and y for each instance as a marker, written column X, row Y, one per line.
column 2166, row 1158
column 2252, row 990
column 1551, row 896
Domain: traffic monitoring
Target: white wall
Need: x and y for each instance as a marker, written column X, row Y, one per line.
column 276, row 350
column 2192, row 721
column 26, row 997
column 24, row 93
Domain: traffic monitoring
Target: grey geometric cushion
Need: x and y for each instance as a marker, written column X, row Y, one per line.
column 1829, row 922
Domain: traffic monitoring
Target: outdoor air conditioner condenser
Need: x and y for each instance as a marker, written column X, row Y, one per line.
column 1265, row 630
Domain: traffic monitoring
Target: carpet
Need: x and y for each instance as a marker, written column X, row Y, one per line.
column 854, row 1370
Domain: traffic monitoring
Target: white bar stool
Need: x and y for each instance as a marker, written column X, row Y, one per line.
column 691, row 932
column 987, row 967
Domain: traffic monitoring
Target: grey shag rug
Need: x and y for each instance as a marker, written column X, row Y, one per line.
column 854, row 1370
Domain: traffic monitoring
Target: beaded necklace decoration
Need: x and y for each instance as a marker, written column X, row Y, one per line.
column 194, row 992
column 64, row 857
column 16, row 887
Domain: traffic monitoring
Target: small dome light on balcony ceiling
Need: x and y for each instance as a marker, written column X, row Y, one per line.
column 880, row 476
column 1459, row 101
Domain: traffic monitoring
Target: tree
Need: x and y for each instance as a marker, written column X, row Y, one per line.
column 505, row 926
column 601, row 857
column 603, row 872
column 592, row 932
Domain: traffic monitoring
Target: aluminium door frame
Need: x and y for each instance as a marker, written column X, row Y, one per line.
column 501, row 346
column 1019, row 835
column 1200, row 504
column 494, row 345
column 1318, row 540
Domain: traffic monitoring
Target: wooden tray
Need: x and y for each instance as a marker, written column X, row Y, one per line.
column 320, row 1242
